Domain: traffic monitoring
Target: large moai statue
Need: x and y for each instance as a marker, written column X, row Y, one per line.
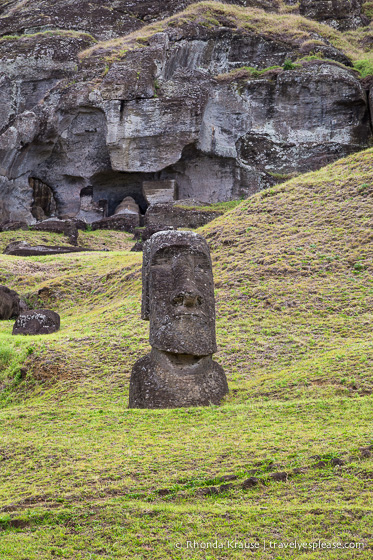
column 178, row 300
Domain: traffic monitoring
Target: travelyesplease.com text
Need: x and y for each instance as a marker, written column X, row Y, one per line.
column 266, row 544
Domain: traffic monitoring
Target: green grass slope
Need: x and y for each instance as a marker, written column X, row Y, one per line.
column 296, row 265
column 83, row 477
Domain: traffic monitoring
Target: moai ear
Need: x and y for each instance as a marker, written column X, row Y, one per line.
column 145, row 304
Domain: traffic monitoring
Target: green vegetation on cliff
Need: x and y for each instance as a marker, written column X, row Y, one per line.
column 83, row 477
column 297, row 31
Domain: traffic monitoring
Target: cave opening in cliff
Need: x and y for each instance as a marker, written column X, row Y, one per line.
column 114, row 186
column 91, row 209
column 43, row 203
column 205, row 177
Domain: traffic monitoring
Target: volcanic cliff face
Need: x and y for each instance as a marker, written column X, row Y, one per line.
column 341, row 14
column 177, row 100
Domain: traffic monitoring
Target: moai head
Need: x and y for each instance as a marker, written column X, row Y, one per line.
column 178, row 293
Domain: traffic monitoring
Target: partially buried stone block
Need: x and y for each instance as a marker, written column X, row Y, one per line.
column 178, row 299
column 156, row 192
column 40, row 321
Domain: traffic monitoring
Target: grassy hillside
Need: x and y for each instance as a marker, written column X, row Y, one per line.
column 83, row 477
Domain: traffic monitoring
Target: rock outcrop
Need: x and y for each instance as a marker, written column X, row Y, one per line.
column 13, row 226
column 341, row 14
column 69, row 228
column 119, row 222
column 192, row 100
column 158, row 192
column 104, row 19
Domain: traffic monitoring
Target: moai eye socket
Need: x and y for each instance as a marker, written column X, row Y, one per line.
column 202, row 263
column 178, row 300
column 160, row 260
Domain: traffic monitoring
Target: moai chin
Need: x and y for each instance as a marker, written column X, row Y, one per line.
column 178, row 300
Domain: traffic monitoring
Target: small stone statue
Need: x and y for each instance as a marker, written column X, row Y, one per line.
column 178, row 299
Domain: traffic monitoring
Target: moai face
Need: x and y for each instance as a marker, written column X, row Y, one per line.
column 178, row 293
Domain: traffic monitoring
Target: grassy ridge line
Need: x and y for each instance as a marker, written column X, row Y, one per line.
column 67, row 33
column 294, row 29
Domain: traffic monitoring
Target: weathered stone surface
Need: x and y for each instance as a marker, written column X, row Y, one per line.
column 34, row 65
column 127, row 206
column 9, row 303
column 138, row 247
column 44, row 204
column 80, row 153
column 145, row 233
column 159, row 192
column 120, row 222
column 104, row 19
column 312, row 139
column 39, row 321
column 162, row 215
column 162, row 380
column 341, row 14
column 178, row 293
column 229, row 139
column 13, row 226
column 90, row 209
column 24, row 249
column 178, row 299
column 98, row 17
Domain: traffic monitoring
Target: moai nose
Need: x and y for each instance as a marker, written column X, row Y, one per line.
column 186, row 293
column 187, row 299
column 192, row 299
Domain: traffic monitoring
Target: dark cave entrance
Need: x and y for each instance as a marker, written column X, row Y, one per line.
column 196, row 176
column 111, row 187
column 43, row 204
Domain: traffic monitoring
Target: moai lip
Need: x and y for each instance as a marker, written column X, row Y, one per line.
column 178, row 300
